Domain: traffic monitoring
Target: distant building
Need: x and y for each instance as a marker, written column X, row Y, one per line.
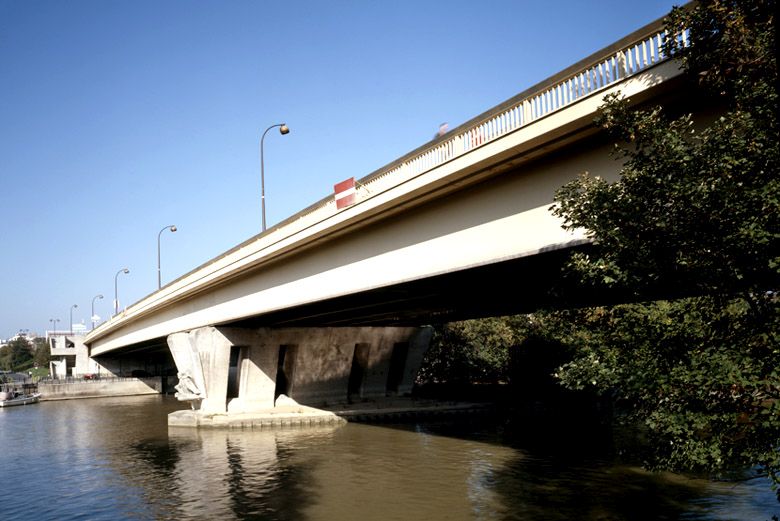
column 30, row 337
column 26, row 335
column 69, row 356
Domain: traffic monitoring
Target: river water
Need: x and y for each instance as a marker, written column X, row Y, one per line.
column 115, row 458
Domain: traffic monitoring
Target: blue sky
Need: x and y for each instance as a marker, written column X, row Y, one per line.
column 118, row 118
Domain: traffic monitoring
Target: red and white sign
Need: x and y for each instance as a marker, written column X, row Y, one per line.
column 345, row 193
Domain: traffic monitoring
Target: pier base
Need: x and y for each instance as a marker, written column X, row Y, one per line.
column 288, row 416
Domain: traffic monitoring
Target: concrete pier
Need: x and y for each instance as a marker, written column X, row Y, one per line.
column 237, row 374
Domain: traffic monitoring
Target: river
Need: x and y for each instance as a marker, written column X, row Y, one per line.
column 112, row 458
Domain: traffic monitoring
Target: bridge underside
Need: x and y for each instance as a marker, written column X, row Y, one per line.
column 517, row 286
column 512, row 287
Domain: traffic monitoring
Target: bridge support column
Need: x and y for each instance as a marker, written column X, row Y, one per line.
column 202, row 358
column 334, row 366
column 238, row 371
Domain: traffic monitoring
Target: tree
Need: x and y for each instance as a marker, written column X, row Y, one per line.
column 471, row 351
column 15, row 354
column 695, row 213
column 42, row 352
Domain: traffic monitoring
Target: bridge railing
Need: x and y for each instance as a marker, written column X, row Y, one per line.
column 632, row 55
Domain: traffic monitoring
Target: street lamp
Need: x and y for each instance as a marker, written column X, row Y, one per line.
column 116, row 292
column 92, row 317
column 283, row 129
column 54, row 324
column 74, row 306
column 172, row 227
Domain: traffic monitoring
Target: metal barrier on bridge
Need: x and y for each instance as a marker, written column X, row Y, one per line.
column 639, row 51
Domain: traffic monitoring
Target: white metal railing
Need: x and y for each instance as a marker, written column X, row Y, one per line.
column 629, row 60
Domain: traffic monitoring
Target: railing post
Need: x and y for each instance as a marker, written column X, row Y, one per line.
column 526, row 112
column 622, row 71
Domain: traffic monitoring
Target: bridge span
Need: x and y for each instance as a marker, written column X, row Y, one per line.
column 327, row 305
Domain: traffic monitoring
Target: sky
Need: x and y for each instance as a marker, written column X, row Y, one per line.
column 119, row 118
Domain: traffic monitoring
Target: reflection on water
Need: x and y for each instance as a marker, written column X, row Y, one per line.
column 116, row 457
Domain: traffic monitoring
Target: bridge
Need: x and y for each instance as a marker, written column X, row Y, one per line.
column 331, row 304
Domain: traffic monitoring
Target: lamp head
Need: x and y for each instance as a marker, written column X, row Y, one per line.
column 284, row 129
column 125, row 270
column 173, row 228
column 75, row 306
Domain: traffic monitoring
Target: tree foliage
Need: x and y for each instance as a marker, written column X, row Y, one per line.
column 692, row 210
column 696, row 212
column 42, row 352
column 703, row 378
column 15, row 354
column 472, row 351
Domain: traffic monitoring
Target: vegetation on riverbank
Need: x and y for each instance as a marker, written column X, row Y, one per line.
column 21, row 355
column 694, row 210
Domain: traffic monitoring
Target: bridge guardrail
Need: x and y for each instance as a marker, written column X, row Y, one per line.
column 640, row 51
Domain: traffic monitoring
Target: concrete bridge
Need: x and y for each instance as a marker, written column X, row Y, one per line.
column 328, row 305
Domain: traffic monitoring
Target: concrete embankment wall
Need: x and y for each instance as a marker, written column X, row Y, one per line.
column 100, row 388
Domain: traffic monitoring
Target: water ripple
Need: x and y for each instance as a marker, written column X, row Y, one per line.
column 116, row 458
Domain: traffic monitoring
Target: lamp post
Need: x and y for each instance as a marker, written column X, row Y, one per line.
column 74, row 306
column 173, row 228
column 54, row 324
column 92, row 316
column 283, row 129
column 116, row 292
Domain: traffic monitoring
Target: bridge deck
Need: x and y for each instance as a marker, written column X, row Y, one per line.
column 272, row 273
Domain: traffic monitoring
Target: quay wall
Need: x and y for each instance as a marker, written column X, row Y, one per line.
column 99, row 388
